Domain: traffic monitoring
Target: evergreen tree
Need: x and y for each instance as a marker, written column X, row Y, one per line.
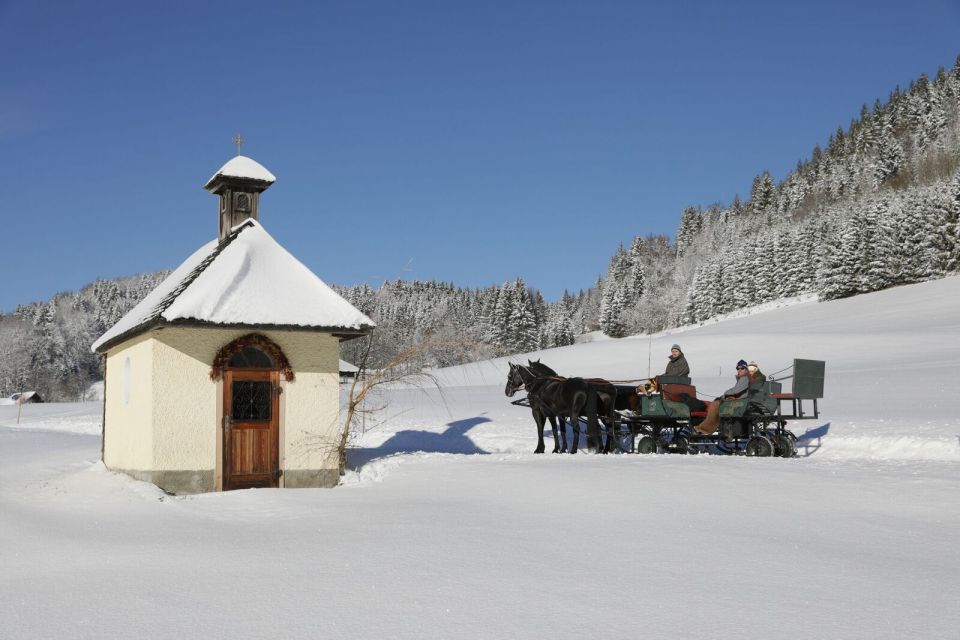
column 889, row 159
column 945, row 215
column 761, row 193
column 691, row 222
column 636, row 278
column 524, row 334
column 838, row 278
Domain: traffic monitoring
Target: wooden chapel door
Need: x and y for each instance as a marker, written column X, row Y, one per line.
column 251, row 434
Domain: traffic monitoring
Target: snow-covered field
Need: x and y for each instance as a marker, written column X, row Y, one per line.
column 451, row 528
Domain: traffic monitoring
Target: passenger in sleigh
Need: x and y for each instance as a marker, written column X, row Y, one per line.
column 710, row 423
column 677, row 366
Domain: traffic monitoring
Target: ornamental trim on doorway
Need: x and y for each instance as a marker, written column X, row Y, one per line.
column 256, row 340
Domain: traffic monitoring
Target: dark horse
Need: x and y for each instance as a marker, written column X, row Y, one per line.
column 609, row 400
column 567, row 398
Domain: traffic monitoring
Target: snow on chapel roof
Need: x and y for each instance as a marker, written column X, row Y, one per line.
column 248, row 279
column 242, row 167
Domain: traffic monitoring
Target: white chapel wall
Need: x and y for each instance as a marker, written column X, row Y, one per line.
column 185, row 413
column 128, row 406
column 312, row 400
column 185, row 399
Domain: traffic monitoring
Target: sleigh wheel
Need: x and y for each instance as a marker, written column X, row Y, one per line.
column 647, row 444
column 783, row 446
column 680, row 445
column 759, row 446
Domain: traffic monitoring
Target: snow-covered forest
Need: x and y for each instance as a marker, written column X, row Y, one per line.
column 45, row 346
column 877, row 207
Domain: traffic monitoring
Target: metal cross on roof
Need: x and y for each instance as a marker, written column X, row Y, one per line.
column 238, row 140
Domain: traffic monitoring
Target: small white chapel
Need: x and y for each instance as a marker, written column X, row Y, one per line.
column 227, row 375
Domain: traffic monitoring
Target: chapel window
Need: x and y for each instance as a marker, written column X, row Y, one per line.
column 250, row 358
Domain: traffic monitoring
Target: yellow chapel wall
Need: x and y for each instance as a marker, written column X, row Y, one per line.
column 185, row 407
column 128, row 406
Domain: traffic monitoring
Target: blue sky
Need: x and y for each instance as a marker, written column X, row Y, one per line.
column 468, row 142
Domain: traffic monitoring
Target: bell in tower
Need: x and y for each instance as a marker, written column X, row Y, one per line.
column 239, row 184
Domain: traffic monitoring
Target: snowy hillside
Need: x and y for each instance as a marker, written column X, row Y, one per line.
column 450, row 527
column 893, row 358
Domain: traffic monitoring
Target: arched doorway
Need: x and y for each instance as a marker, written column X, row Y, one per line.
column 251, row 369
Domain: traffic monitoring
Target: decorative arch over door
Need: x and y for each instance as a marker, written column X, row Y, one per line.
column 257, row 341
column 250, row 367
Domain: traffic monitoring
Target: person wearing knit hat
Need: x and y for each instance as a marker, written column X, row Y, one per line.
column 677, row 366
column 755, row 374
column 710, row 423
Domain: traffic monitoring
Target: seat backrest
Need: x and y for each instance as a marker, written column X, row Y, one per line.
column 675, row 392
column 762, row 392
column 808, row 378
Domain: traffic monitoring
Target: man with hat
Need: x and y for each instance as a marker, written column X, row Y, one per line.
column 677, row 366
column 709, row 424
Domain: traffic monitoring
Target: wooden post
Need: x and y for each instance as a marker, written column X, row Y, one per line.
column 20, row 401
column 649, row 352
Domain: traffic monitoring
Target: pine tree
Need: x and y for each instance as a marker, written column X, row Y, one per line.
column 524, row 334
column 690, row 223
column 945, row 217
column 500, row 326
column 636, row 276
column 876, row 269
column 613, row 312
column 889, row 158
column 761, row 193
column 914, row 250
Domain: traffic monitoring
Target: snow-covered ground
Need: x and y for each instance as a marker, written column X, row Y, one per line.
column 451, row 528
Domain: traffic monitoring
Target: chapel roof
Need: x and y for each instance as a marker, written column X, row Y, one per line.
column 244, row 168
column 245, row 280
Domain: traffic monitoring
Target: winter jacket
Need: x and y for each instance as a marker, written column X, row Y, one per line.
column 743, row 383
column 677, row 366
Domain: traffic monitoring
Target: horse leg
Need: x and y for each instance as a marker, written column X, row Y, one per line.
column 540, row 419
column 562, row 426
column 610, row 422
column 612, row 432
column 593, row 432
column 575, row 427
column 556, row 435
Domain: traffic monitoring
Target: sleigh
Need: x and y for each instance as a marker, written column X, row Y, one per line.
column 662, row 418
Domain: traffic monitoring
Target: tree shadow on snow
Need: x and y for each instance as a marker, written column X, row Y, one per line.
column 453, row 440
column 810, row 440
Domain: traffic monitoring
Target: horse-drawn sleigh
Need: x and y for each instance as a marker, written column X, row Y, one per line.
column 663, row 417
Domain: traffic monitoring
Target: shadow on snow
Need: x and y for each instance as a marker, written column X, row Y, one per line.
column 453, row 440
column 810, row 440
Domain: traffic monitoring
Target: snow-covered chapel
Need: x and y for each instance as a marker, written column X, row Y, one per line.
column 226, row 376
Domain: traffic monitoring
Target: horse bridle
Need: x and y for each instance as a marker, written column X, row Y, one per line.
column 523, row 384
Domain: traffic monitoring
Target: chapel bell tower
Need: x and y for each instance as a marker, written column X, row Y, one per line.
column 239, row 184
